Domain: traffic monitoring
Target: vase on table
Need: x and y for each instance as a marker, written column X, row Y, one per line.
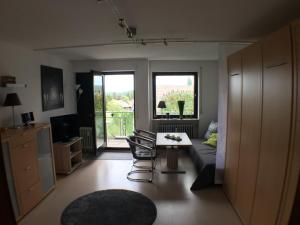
column 181, row 108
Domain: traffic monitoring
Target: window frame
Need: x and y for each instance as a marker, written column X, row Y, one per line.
column 196, row 92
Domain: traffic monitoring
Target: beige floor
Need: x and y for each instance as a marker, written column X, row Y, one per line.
column 176, row 204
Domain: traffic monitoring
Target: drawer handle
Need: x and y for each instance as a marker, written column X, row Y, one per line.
column 28, row 168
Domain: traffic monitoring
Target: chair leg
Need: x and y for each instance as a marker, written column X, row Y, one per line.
column 135, row 162
column 144, row 169
column 139, row 179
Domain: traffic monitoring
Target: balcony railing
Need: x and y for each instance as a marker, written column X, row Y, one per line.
column 118, row 124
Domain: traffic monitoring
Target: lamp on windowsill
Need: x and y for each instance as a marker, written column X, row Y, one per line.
column 162, row 105
column 12, row 100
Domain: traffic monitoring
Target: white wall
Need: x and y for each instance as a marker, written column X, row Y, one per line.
column 224, row 51
column 143, row 83
column 141, row 68
column 208, row 88
column 25, row 64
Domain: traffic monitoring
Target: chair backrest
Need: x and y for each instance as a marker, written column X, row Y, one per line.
column 145, row 133
column 131, row 140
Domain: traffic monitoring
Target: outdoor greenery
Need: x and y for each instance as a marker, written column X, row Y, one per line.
column 119, row 114
column 120, row 109
column 171, row 99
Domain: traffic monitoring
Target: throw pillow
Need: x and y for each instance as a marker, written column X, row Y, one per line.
column 212, row 140
column 212, row 128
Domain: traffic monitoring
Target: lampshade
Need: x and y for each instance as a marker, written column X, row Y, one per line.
column 162, row 105
column 12, row 99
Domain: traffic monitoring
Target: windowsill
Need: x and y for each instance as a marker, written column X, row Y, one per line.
column 165, row 119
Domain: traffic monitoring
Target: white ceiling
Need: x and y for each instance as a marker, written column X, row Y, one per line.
column 56, row 23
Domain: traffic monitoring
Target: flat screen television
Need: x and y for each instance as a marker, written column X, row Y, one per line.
column 64, row 127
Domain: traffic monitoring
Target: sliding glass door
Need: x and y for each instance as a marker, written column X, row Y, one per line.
column 99, row 106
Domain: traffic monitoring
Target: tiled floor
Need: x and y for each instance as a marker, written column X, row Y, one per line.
column 117, row 143
column 114, row 143
column 176, row 204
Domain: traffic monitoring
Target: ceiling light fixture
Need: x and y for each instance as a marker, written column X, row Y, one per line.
column 122, row 23
column 130, row 31
column 143, row 42
column 165, row 42
column 147, row 41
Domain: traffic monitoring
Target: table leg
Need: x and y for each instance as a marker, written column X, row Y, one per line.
column 172, row 161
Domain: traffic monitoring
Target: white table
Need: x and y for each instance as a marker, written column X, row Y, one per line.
column 172, row 149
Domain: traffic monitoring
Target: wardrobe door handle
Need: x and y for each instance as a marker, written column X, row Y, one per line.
column 276, row 65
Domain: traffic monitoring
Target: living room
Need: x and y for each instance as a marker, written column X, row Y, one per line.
column 120, row 79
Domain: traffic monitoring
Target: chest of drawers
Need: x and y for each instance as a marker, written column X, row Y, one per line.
column 29, row 166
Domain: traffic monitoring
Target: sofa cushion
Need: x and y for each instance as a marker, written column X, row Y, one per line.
column 212, row 128
column 212, row 140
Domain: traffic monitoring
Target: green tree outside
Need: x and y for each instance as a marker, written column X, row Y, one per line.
column 171, row 99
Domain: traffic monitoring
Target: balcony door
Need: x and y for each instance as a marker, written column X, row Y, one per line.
column 99, row 107
column 119, row 108
column 114, row 118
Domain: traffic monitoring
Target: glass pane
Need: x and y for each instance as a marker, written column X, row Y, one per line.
column 119, row 100
column 172, row 89
column 99, row 109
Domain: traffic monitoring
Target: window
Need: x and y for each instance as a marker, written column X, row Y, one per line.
column 172, row 87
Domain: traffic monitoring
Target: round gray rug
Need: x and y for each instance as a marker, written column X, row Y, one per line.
column 110, row 207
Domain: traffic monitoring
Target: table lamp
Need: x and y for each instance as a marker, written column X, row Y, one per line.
column 161, row 105
column 12, row 100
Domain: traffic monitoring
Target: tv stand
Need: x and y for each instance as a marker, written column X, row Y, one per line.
column 67, row 155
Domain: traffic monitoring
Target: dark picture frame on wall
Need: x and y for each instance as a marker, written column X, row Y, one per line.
column 52, row 88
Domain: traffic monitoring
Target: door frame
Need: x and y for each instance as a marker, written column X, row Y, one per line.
column 121, row 72
column 103, row 147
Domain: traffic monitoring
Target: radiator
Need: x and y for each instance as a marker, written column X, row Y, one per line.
column 177, row 127
column 87, row 139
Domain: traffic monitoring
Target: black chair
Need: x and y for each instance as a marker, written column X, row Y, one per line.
column 142, row 152
column 146, row 134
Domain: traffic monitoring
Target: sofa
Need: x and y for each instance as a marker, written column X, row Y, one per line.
column 204, row 159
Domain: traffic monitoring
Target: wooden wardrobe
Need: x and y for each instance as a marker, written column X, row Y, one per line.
column 234, row 124
column 263, row 136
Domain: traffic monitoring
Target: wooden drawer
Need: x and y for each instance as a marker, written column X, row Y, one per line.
column 22, row 138
column 30, row 144
column 25, row 165
column 30, row 197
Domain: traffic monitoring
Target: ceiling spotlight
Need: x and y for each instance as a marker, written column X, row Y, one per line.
column 131, row 32
column 121, row 23
column 165, row 42
column 143, row 43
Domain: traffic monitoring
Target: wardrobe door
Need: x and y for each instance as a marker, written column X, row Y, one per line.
column 276, row 126
column 295, row 215
column 234, row 125
column 294, row 159
column 250, row 130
